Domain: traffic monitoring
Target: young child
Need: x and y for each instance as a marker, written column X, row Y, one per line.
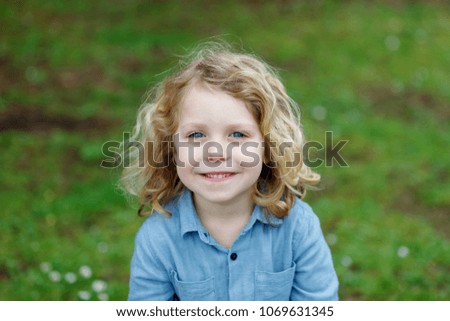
column 221, row 174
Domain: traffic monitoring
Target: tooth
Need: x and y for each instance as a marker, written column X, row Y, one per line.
column 218, row 176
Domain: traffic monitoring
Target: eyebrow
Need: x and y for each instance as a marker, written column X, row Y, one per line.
column 232, row 125
column 192, row 125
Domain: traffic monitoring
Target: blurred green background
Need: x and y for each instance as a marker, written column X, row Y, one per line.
column 73, row 73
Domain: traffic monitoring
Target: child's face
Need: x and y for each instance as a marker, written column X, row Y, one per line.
column 219, row 146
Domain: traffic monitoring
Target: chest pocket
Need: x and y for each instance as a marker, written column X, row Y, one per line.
column 274, row 286
column 194, row 291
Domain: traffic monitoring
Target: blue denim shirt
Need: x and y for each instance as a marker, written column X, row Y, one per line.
column 283, row 259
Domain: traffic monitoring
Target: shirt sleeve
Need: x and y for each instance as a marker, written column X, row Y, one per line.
column 148, row 278
column 315, row 278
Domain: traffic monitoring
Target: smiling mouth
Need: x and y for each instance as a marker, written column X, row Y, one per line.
column 218, row 176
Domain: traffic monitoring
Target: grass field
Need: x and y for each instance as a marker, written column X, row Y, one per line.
column 73, row 73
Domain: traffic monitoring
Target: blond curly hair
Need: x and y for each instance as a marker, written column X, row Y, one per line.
column 244, row 76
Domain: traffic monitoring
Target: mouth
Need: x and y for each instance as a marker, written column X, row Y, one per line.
column 218, row 176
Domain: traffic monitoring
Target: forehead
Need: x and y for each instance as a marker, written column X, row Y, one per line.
column 202, row 103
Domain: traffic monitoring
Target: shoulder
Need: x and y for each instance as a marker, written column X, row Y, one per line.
column 159, row 227
column 301, row 213
column 302, row 220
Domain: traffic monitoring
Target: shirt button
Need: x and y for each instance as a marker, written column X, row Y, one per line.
column 233, row 256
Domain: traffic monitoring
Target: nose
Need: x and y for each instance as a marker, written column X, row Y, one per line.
column 215, row 152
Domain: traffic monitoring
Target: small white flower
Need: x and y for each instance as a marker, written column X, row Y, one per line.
column 319, row 113
column 346, row 261
column 54, row 276
column 84, row 295
column 403, row 251
column 45, row 267
column 99, row 286
column 392, row 43
column 85, row 271
column 70, row 277
column 331, row 239
column 103, row 297
column 102, row 247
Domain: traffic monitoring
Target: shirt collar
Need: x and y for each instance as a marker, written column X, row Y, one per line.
column 190, row 222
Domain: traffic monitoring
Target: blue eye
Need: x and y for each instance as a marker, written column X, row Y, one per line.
column 196, row 135
column 237, row 135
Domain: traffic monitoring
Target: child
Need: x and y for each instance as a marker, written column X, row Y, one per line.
column 222, row 176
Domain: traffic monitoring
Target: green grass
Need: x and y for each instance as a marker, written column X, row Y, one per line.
column 72, row 75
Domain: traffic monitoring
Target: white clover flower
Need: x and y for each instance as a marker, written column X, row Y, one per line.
column 45, row 267
column 346, row 261
column 319, row 113
column 102, row 247
column 103, row 297
column 403, row 251
column 99, row 286
column 331, row 239
column 84, row 295
column 392, row 43
column 85, row 271
column 70, row 277
column 54, row 276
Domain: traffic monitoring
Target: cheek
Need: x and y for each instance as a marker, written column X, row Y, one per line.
column 183, row 174
column 250, row 155
column 188, row 155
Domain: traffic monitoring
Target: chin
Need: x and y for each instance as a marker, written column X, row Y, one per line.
column 221, row 197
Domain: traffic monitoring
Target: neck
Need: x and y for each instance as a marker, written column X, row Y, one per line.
column 238, row 209
column 224, row 221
